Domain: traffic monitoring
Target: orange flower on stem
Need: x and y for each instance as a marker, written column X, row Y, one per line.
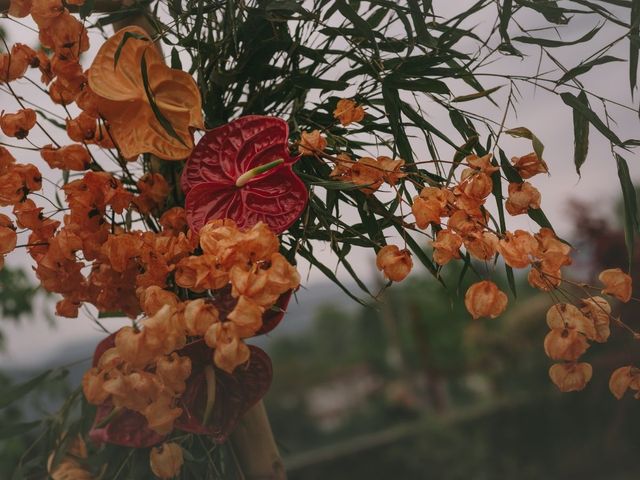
column 522, row 197
column 150, row 107
column 616, row 283
column 166, row 460
column 623, row 379
column 348, row 111
column 485, row 299
column 395, row 263
column 18, row 124
column 71, row 157
column 312, row 142
column 570, row 377
column 529, row 165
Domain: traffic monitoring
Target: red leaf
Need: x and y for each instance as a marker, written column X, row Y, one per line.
column 126, row 428
column 276, row 197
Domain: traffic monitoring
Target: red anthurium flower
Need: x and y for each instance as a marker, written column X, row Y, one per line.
column 243, row 171
column 217, row 413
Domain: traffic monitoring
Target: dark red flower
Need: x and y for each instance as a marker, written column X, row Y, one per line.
column 222, row 178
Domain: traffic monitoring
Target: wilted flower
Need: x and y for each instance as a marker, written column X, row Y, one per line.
column 347, row 111
column 616, row 283
column 598, row 310
column 517, row 248
column 624, row 378
column 529, row 165
column 570, row 377
column 446, row 247
column 312, row 142
column 166, row 460
column 18, row 124
column 394, row 263
column 565, row 344
column 522, row 197
column 485, row 299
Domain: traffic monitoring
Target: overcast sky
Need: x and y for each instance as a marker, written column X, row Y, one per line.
column 34, row 340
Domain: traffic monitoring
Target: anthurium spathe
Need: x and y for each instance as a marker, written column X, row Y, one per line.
column 150, row 107
column 243, row 171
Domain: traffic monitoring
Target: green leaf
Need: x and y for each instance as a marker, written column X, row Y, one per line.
column 425, row 85
column 580, row 134
column 524, row 132
column 15, row 392
column 543, row 42
column 473, row 96
column 175, row 59
column 634, row 47
column 86, row 9
column 393, row 107
column 586, row 112
column 586, row 66
column 166, row 124
column 630, row 206
column 538, row 216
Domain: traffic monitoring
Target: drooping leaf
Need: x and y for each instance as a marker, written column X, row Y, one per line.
column 634, row 46
column 580, row 133
column 474, row 96
column 630, row 204
column 587, row 113
column 586, row 66
column 543, row 42
column 524, row 132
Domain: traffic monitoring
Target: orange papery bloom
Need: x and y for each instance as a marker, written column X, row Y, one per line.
column 463, row 223
column 14, row 65
column 131, row 347
column 71, row 157
column 246, row 317
column 173, row 370
column 63, row 33
column 229, row 350
column 199, row 315
column 482, row 163
column 598, row 310
column 174, row 221
column 18, row 124
column 430, row 205
column 343, row 166
column 485, row 299
column 82, row 128
column 623, row 379
column 163, row 332
column 312, row 143
column 62, row 93
column 367, row 173
column 616, row 283
column 475, row 184
column 166, row 460
column 11, row 188
column 348, row 111
column 199, row 273
column 566, row 315
column 543, row 278
column 482, row 246
column 125, row 98
column 30, row 175
column 7, row 160
column 70, row 466
column 529, row 165
column 517, row 248
column 19, row 8
column 570, row 377
column 28, row 214
column 39, row 239
column 44, row 11
column 446, row 247
column 44, row 65
column 8, row 237
column 565, row 344
column 396, row 264
column 522, row 197
column 87, row 101
column 470, row 206
column 264, row 286
column 153, row 298
column 154, row 191
column 67, row 308
column 161, row 414
column 391, row 169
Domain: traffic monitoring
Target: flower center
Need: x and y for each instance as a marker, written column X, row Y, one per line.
column 246, row 176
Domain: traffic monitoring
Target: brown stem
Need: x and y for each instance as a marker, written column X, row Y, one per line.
column 256, row 448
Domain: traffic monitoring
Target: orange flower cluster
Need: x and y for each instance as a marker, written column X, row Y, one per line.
column 143, row 372
column 258, row 275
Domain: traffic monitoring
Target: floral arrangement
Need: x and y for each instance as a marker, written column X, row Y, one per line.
column 194, row 228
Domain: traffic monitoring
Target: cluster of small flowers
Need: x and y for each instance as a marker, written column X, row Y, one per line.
column 143, row 371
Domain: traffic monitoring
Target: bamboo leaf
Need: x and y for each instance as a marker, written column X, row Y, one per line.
column 631, row 222
column 524, row 132
column 580, row 134
column 586, row 66
column 634, row 47
column 586, row 112
column 473, row 96
column 543, row 42
column 125, row 38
